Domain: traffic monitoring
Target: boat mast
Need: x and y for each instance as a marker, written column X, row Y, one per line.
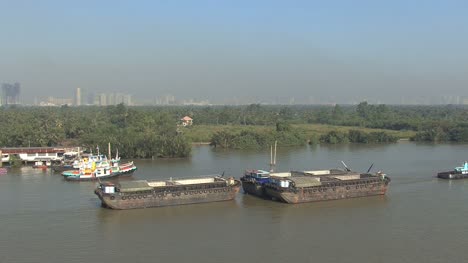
column 273, row 157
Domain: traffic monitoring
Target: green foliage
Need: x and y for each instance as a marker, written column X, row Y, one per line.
column 282, row 126
column 356, row 136
column 145, row 132
column 254, row 139
column 15, row 160
column 334, row 137
column 135, row 133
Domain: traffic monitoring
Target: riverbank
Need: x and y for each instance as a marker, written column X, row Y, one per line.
column 202, row 134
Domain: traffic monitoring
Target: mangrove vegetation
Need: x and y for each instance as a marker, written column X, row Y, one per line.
column 151, row 132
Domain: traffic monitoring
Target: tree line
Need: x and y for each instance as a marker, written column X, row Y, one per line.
column 146, row 132
column 436, row 123
column 135, row 133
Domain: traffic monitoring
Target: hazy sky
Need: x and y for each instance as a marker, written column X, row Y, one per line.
column 266, row 50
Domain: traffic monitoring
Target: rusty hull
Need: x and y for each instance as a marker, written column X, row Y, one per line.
column 149, row 199
column 334, row 191
column 253, row 188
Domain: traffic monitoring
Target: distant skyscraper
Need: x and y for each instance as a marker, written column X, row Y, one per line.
column 119, row 98
column 10, row 93
column 127, row 99
column 111, row 99
column 78, row 97
column 91, row 98
column 102, row 100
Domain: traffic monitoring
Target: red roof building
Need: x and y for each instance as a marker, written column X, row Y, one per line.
column 186, row 121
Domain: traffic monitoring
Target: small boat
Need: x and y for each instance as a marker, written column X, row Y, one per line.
column 322, row 185
column 98, row 167
column 145, row 194
column 457, row 173
column 75, row 165
column 42, row 164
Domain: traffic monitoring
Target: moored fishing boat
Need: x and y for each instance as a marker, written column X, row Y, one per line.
column 145, row 194
column 320, row 186
column 98, row 167
column 456, row 173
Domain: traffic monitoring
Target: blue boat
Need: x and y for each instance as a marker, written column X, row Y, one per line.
column 254, row 180
column 457, row 173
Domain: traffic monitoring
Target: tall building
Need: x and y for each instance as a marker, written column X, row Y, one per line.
column 10, row 93
column 91, row 99
column 111, row 99
column 78, row 97
column 127, row 99
column 103, row 99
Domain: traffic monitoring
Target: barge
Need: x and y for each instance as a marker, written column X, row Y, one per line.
column 457, row 173
column 304, row 187
column 146, row 194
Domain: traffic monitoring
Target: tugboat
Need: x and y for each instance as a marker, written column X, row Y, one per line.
column 457, row 173
column 320, row 186
column 98, row 167
column 145, row 194
column 254, row 180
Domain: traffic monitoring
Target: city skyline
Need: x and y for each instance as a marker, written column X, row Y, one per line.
column 113, row 98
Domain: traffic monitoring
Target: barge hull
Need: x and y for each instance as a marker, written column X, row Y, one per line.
column 329, row 192
column 253, row 188
column 157, row 199
column 452, row 175
column 76, row 178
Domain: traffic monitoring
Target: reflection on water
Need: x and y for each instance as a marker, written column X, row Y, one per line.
column 421, row 219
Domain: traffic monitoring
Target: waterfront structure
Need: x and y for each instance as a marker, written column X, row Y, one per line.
column 33, row 154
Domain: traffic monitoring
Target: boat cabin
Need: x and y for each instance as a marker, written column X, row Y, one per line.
column 463, row 169
column 257, row 174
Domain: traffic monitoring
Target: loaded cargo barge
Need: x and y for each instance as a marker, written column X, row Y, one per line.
column 145, row 194
column 457, row 173
column 253, row 181
column 303, row 187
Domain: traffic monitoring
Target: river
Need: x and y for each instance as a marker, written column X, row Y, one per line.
column 421, row 219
